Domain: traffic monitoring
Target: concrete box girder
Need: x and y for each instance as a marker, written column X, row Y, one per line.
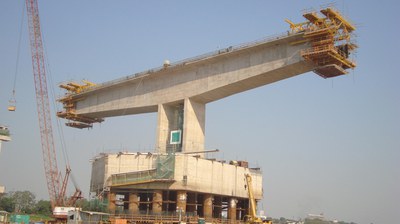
column 193, row 85
column 205, row 81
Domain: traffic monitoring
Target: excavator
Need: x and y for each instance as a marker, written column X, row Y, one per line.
column 252, row 217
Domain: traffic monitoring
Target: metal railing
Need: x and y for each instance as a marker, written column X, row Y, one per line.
column 195, row 59
column 137, row 176
column 169, row 218
column 163, row 169
column 337, row 54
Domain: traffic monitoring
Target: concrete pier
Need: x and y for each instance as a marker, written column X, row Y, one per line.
column 208, row 206
column 157, row 202
column 133, row 203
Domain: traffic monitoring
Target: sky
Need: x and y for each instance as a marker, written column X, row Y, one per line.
column 327, row 146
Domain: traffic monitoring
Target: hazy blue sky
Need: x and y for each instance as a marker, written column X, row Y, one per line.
column 330, row 146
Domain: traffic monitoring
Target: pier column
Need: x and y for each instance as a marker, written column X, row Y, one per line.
column 170, row 118
column 217, row 207
column 207, row 206
column 157, row 201
column 191, row 202
column 187, row 116
column 181, row 197
column 193, row 126
column 133, row 203
column 111, row 201
column 232, row 210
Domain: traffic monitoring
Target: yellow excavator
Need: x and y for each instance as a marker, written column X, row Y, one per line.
column 252, row 217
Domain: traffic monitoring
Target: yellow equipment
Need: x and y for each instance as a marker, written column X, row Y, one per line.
column 330, row 36
column 12, row 102
column 11, row 108
column 74, row 87
column 76, row 121
column 252, row 217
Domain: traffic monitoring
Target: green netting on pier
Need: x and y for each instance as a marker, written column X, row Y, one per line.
column 163, row 169
column 165, row 166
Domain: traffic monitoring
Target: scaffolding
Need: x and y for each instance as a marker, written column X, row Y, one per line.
column 69, row 104
column 330, row 37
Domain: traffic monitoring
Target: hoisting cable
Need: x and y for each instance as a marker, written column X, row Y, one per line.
column 51, row 87
column 60, row 130
column 74, row 181
column 12, row 101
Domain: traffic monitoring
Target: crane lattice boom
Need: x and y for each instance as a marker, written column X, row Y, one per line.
column 42, row 102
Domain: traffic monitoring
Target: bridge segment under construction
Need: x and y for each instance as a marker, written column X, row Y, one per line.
column 177, row 176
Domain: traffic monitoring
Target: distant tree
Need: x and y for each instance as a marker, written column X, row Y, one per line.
column 92, row 205
column 84, row 204
column 316, row 221
column 6, row 203
column 24, row 201
column 43, row 207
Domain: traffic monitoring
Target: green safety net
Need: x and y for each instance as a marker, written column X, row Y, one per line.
column 165, row 166
column 164, row 169
column 5, row 132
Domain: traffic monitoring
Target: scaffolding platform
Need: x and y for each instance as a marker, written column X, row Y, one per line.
column 329, row 36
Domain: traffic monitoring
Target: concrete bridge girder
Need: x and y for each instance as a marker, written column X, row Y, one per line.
column 192, row 86
column 206, row 80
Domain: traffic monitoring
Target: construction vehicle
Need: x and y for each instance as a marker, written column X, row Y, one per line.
column 56, row 187
column 252, row 217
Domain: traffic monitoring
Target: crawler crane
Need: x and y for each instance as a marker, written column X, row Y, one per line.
column 55, row 187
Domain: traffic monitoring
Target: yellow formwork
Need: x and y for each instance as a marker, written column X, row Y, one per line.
column 74, row 87
column 69, row 105
column 329, row 35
